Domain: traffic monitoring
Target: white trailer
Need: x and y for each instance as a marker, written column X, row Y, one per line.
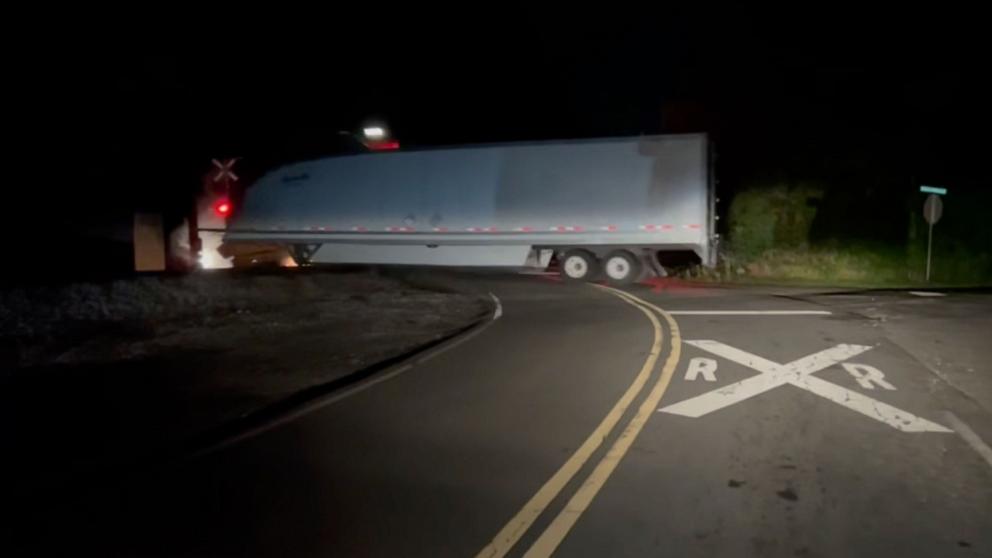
column 603, row 206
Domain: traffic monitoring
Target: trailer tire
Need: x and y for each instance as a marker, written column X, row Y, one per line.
column 621, row 267
column 579, row 265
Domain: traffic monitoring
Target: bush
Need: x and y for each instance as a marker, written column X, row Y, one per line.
column 769, row 238
column 777, row 217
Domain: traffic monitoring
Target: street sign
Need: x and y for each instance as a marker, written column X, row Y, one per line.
column 933, row 190
column 933, row 208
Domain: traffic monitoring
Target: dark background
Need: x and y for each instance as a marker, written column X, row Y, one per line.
column 124, row 111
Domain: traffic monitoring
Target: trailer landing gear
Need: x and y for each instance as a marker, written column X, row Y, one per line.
column 302, row 253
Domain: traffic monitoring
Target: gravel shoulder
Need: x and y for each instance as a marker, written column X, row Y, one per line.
column 92, row 372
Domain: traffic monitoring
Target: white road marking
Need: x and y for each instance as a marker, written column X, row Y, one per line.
column 750, row 312
column 498, row 311
column 871, row 408
column 799, row 374
column 925, row 293
column 701, row 365
column 969, row 436
column 357, row 388
column 772, row 376
column 867, row 376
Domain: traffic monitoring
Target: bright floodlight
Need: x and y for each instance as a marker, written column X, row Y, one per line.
column 374, row 132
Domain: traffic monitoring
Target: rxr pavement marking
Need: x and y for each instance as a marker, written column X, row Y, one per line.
column 799, row 374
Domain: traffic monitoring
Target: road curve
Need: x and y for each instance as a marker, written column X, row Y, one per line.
column 443, row 459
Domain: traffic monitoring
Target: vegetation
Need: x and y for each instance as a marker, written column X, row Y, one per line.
column 795, row 232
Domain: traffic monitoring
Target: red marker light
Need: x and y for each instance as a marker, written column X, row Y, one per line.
column 222, row 208
column 387, row 145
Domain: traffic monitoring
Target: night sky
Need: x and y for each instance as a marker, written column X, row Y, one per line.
column 135, row 112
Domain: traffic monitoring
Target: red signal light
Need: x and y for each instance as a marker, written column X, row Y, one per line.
column 222, row 207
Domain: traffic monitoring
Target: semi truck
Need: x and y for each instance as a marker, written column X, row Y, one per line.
column 603, row 208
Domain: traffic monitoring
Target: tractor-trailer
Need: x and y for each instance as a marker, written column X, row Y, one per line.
column 604, row 207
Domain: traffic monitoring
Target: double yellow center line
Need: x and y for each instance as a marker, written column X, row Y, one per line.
column 563, row 522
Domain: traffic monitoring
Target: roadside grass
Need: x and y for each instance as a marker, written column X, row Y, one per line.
column 861, row 267
column 806, row 233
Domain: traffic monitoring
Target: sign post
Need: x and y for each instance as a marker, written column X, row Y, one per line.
column 933, row 208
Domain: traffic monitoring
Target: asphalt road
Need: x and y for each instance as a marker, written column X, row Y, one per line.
column 579, row 423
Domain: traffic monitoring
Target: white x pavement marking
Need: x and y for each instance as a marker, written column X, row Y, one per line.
column 797, row 373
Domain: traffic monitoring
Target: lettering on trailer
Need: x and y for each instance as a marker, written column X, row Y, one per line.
column 798, row 373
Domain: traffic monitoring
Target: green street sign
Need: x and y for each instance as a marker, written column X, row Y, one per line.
column 933, row 190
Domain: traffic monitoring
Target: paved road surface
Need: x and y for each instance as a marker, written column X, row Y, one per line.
column 804, row 433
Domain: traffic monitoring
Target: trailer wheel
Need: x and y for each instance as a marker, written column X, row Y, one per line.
column 622, row 267
column 579, row 265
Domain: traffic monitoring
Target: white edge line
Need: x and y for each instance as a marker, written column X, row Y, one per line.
column 750, row 312
column 969, row 436
column 498, row 311
column 361, row 386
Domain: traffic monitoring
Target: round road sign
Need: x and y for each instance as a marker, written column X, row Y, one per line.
column 933, row 208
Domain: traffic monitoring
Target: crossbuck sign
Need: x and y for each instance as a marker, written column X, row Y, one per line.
column 223, row 170
column 798, row 373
